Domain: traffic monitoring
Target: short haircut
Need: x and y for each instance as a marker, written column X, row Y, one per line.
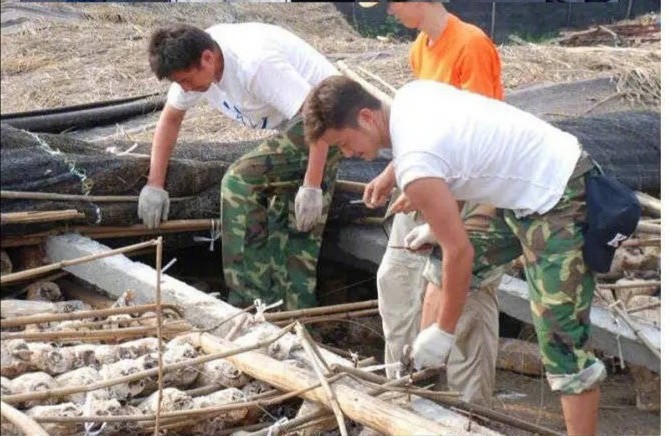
column 177, row 48
column 334, row 104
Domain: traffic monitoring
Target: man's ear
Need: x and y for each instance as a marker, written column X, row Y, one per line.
column 365, row 117
column 207, row 58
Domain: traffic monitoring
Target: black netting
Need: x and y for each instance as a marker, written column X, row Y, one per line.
column 626, row 144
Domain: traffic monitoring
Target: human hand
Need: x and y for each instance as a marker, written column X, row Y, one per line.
column 431, row 347
column 378, row 190
column 420, row 236
column 308, row 207
column 402, row 204
column 153, row 206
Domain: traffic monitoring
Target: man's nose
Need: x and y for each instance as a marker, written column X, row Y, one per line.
column 346, row 152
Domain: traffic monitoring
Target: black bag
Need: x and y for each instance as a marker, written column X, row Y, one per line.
column 612, row 215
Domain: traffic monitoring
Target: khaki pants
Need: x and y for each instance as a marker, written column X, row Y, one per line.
column 401, row 286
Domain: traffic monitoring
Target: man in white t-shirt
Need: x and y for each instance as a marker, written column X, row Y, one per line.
column 258, row 75
column 486, row 151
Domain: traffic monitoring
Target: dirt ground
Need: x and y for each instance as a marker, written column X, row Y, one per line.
column 59, row 54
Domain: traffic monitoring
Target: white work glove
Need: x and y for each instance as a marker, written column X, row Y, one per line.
column 431, row 347
column 153, row 206
column 419, row 236
column 308, row 207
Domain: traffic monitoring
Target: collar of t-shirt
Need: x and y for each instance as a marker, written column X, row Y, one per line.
column 447, row 37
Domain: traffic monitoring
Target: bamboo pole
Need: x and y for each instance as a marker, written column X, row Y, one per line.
column 40, row 217
column 330, row 395
column 23, row 422
column 646, row 307
column 650, row 203
column 52, row 196
column 95, row 335
column 644, row 227
column 323, row 310
column 83, row 314
column 621, row 312
column 111, row 232
column 376, row 92
column 13, row 277
column 357, row 405
column 652, row 242
column 378, row 79
column 61, row 392
column 640, row 284
column 140, row 229
column 159, row 331
column 333, row 317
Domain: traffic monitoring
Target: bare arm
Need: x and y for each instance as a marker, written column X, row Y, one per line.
column 318, row 154
column 457, row 252
column 165, row 138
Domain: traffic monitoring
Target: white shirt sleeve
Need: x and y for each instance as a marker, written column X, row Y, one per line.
column 279, row 84
column 181, row 99
column 416, row 165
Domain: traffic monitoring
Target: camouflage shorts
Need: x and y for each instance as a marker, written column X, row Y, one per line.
column 560, row 283
column 264, row 254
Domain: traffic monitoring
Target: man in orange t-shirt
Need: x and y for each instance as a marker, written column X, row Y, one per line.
column 458, row 53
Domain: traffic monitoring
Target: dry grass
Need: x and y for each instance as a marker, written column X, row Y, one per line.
column 102, row 56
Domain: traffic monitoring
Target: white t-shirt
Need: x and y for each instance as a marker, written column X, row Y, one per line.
column 267, row 75
column 486, row 150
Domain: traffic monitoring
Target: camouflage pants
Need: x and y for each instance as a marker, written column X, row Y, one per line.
column 561, row 285
column 264, row 255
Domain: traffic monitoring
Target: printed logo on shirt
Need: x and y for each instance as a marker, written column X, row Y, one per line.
column 237, row 115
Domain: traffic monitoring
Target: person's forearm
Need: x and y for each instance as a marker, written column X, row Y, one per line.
column 456, row 272
column 389, row 173
column 318, row 154
column 163, row 143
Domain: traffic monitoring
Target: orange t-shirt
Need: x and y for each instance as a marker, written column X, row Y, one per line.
column 463, row 56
